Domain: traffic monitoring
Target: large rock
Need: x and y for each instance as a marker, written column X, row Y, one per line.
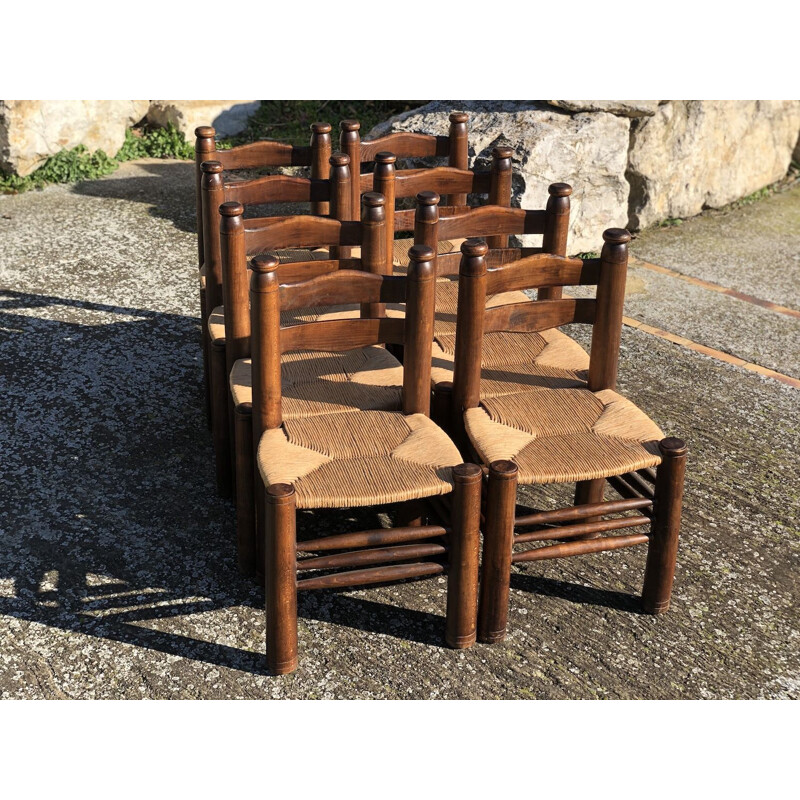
column 696, row 154
column 587, row 150
column 33, row 130
column 622, row 108
column 228, row 117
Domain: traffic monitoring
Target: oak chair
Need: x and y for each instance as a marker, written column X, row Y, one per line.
column 532, row 427
column 359, row 457
column 314, row 383
column 227, row 322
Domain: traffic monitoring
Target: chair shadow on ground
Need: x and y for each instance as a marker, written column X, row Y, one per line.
column 110, row 523
column 168, row 188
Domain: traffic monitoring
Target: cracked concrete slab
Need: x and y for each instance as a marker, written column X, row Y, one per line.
column 117, row 567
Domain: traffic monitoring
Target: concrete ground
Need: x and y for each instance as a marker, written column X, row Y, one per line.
column 117, row 567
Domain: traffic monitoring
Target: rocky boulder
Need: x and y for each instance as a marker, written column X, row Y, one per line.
column 586, row 150
column 696, row 154
column 228, row 117
column 33, row 130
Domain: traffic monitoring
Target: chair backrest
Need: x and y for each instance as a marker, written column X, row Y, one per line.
column 454, row 147
column 495, row 224
column 450, row 181
column 265, row 153
column 241, row 237
column 270, row 295
column 334, row 192
column 542, row 270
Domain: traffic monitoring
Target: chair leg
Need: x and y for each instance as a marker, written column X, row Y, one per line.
column 220, row 430
column 589, row 492
column 498, row 541
column 204, row 344
column 663, row 548
column 280, row 570
column 245, row 500
column 462, row 576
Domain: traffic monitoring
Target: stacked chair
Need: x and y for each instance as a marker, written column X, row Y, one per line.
column 348, row 367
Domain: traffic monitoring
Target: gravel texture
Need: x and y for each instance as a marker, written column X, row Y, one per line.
column 117, row 565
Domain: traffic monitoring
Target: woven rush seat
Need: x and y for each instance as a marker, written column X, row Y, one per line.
column 514, row 362
column 560, row 435
column 315, row 383
column 358, row 459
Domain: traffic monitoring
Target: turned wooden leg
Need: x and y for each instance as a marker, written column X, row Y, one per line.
column 663, row 547
column 245, row 499
column 220, row 430
column 462, row 576
column 280, row 572
column 498, row 541
column 204, row 345
column 589, row 492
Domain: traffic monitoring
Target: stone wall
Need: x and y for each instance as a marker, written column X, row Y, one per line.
column 33, row 130
column 631, row 163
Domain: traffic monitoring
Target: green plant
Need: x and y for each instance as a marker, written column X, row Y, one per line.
column 78, row 164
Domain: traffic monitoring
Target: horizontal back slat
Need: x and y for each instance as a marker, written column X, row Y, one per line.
column 264, row 154
column 405, row 145
column 490, row 221
column 539, row 315
column 296, row 271
column 542, row 270
column 343, row 287
column 278, row 189
column 342, row 334
column 450, row 263
column 444, row 180
column 276, row 233
column 404, row 220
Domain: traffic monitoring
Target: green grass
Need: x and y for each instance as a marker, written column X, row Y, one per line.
column 289, row 120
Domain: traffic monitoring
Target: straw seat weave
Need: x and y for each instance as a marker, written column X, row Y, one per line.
column 358, row 459
column 315, row 383
column 518, row 361
column 564, row 435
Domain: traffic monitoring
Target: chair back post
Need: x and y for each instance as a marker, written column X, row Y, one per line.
column 418, row 330
column 469, row 326
column 204, row 149
column 265, row 314
column 556, row 228
column 341, row 177
column 607, row 329
column 383, row 181
column 458, row 156
column 234, row 284
column 373, row 245
column 320, row 161
column 350, row 144
column 212, row 194
column 426, row 220
column 500, row 188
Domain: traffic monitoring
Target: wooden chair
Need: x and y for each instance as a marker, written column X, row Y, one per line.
column 316, row 156
column 226, row 279
column 356, row 458
column 250, row 156
column 336, row 193
column 539, row 428
column 316, row 383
